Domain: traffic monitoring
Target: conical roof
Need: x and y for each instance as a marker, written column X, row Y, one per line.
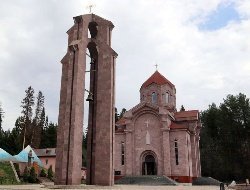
column 156, row 78
column 23, row 156
column 5, row 156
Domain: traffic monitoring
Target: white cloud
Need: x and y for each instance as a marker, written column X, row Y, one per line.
column 205, row 66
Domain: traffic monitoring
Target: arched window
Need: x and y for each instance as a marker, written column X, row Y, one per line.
column 167, row 97
column 122, row 153
column 176, row 152
column 92, row 30
column 154, row 98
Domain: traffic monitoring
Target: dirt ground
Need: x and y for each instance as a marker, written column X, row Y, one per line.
column 116, row 187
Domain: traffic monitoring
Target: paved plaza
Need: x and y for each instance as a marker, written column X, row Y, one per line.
column 116, row 187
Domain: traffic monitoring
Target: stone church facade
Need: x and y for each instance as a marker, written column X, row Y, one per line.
column 153, row 138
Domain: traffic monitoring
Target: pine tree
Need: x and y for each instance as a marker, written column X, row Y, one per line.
column 38, row 121
column 39, row 106
column 182, row 108
column 27, row 105
column 32, row 176
column 48, row 139
column 1, row 117
column 43, row 173
column 84, row 149
column 26, row 174
column 122, row 113
column 50, row 173
column 225, row 139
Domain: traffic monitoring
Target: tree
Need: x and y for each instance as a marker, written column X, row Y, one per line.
column 182, row 108
column 50, row 173
column 27, row 105
column 39, row 107
column 38, row 121
column 122, row 113
column 225, row 139
column 48, row 138
column 84, row 150
column 32, row 176
column 12, row 141
column 43, row 173
column 16, row 165
column 1, row 117
column 26, row 174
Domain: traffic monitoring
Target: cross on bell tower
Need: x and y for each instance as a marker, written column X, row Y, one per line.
column 90, row 6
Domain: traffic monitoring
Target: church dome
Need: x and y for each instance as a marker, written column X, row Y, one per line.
column 156, row 78
column 159, row 91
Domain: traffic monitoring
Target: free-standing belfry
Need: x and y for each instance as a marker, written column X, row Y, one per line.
column 100, row 169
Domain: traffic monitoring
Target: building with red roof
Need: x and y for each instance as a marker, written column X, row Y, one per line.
column 153, row 138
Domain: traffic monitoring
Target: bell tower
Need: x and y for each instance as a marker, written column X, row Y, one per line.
column 101, row 105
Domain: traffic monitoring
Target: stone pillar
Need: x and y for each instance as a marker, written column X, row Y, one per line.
column 193, row 154
column 166, row 152
column 128, row 155
column 198, row 156
column 189, row 156
column 100, row 161
column 70, row 121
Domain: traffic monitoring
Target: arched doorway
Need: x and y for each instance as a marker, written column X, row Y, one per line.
column 149, row 165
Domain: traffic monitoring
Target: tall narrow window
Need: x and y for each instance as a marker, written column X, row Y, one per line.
column 176, row 152
column 142, row 97
column 167, row 97
column 154, row 98
column 123, row 153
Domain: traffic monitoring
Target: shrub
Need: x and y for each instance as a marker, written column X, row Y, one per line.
column 32, row 176
column 2, row 174
column 50, row 173
column 17, row 169
column 26, row 174
column 43, row 173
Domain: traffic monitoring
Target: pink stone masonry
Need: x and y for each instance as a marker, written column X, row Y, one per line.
column 70, row 121
column 158, row 140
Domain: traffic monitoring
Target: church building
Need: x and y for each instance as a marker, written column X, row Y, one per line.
column 153, row 138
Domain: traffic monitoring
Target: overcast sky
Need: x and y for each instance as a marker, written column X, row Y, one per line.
column 201, row 46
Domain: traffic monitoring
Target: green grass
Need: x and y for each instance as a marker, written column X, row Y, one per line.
column 7, row 175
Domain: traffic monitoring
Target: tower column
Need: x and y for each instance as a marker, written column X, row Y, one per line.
column 70, row 121
column 101, row 116
column 101, row 125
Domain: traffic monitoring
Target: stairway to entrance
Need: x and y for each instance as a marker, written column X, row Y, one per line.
column 206, row 181
column 146, row 180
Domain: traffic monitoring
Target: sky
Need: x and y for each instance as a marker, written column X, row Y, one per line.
column 202, row 47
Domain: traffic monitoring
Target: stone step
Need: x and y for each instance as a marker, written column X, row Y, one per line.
column 205, row 181
column 146, row 180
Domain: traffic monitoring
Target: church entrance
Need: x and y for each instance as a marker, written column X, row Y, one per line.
column 149, row 165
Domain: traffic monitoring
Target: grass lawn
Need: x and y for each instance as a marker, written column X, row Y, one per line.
column 7, row 175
